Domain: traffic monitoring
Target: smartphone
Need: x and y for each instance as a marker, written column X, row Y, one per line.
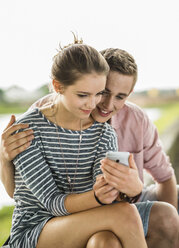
column 119, row 157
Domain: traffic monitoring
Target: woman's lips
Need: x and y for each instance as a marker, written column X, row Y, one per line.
column 104, row 113
column 86, row 111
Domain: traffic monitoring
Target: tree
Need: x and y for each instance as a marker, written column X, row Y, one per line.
column 2, row 96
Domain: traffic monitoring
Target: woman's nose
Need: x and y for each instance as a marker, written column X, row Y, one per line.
column 91, row 103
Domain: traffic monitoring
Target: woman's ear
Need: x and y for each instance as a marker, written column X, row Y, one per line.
column 58, row 87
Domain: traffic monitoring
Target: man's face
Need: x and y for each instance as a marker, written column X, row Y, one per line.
column 118, row 87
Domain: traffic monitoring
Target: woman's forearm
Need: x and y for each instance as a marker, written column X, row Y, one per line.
column 80, row 202
column 102, row 194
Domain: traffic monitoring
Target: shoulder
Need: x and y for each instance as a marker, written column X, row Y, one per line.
column 130, row 114
column 106, row 130
column 134, row 110
column 104, row 126
column 32, row 117
column 107, row 138
column 28, row 115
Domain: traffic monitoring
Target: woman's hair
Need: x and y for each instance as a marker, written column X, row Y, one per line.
column 120, row 61
column 75, row 60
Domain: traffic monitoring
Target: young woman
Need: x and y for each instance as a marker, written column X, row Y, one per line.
column 61, row 198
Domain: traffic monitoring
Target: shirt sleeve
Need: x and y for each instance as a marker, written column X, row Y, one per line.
column 108, row 142
column 38, row 178
column 156, row 162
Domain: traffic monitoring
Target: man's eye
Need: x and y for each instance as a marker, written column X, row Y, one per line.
column 119, row 97
column 105, row 93
column 100, row 93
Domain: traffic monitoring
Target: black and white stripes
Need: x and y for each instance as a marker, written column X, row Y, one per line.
column 41, row 178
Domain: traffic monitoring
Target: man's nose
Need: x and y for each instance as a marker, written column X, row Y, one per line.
column 108, row 103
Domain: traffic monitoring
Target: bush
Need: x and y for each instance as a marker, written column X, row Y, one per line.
column 5, row 223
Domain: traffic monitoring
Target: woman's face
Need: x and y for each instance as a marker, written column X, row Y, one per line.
column 118, row 87
column 82, row 97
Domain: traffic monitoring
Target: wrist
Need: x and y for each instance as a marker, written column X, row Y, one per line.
column 3, row 160
column 6, row 163
column 98, row 201
column 129, row 199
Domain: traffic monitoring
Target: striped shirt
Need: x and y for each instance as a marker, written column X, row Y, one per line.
column 41, row 177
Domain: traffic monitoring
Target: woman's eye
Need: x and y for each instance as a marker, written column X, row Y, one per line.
column 79, row 95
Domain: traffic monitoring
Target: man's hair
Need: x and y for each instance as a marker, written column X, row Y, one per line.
column 120, row 61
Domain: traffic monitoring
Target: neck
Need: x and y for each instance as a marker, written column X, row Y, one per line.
column 56, row 113
column 65, row 119
column 67, row 123
column 80, row 124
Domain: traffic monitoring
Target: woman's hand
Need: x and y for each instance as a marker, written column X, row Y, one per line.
column 104, row 192
column 123, row 178
column 13, row 144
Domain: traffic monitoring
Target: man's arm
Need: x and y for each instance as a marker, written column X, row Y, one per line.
column 167, row 191
column 11, row 145
column 157, row 163
column 7, row 176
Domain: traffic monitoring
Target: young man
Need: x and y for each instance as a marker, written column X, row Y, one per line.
column 137, row 135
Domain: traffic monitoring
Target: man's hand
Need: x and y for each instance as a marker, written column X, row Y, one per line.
column 104, row 192
column 123, row 178
column 13, row 144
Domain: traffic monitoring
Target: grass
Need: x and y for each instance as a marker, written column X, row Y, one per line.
column 5, row 223
column 169, row 114
column 12, row 108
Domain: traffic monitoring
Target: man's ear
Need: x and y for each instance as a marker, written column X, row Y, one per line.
column 58, row 87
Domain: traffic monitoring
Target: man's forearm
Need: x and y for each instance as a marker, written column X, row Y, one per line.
column 167, row 191
column 7, row 176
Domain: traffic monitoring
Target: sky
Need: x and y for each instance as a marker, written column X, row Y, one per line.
column 31, row 31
